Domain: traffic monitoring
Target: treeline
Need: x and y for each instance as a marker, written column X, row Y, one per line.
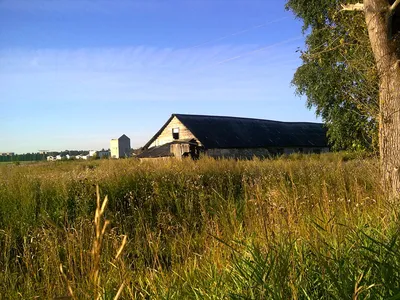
column 23, row 157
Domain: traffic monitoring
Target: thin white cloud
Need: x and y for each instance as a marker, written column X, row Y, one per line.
column 139, row 58
column 219, row 39
column 145, row 73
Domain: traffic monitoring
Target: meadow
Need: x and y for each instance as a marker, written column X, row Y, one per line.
column 297, row 227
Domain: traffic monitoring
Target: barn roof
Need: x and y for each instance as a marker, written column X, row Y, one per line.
column 234, row 132
column 158, row 151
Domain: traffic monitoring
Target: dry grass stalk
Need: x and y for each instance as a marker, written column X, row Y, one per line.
column 70, row 290
column 100, row 228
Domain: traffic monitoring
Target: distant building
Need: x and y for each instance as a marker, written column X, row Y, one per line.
column 7, row 154
column 120, row 147
column 59, row 157
column 103, row 154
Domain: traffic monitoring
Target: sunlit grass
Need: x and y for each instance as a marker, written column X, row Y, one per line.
column 301, row 227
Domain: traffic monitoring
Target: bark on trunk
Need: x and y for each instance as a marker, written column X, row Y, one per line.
column 386, row 53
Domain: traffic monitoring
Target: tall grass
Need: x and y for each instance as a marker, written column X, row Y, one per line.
column 303, row 227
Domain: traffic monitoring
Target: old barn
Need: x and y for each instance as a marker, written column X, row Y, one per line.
column 219, row 136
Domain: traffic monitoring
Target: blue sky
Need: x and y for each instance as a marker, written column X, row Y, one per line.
column 76, row 73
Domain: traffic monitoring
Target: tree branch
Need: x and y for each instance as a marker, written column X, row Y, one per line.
column 394, row 6
column 357, row 6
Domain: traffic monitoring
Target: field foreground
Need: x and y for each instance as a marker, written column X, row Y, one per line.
column 307, row 227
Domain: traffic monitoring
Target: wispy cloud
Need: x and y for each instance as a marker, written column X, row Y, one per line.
column 219, row 39
column 145, row 73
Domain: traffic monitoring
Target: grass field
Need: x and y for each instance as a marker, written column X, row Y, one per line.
column 302, row 227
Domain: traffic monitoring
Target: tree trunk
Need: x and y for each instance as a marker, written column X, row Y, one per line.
column 386, row 52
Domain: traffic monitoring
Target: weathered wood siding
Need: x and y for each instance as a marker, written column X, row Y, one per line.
column 306, row 150
column 245, row 153
column 166, row 135
column 248, row 153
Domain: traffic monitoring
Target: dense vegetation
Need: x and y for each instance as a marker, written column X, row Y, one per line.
column 303, row 227
column 338, row 74
column 22, row 157
column 351, row 75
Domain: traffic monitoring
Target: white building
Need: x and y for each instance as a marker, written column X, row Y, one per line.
column 62, row 157
column 120, row 147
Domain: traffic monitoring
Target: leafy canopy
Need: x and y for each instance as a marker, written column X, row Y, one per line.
column 338, row 75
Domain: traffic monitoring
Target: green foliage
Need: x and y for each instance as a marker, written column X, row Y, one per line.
column 338, row 75
column 297, row 227
column 22, row 157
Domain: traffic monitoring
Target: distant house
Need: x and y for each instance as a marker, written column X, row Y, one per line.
column 84, row 156
column 7, row 154
column 219, row 136
column 120, row 147
column 103, row 154
column 62, row 157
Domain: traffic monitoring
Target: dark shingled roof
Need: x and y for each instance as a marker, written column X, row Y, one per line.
column 159, row 151
column 233, row 132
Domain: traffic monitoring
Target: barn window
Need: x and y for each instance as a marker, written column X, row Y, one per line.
column 175, row 133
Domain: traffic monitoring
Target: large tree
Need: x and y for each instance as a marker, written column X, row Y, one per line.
column 382, row 23
column 382, row 19
column 338, row 75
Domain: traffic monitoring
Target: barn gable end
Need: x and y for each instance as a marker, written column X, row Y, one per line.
column 165, row 134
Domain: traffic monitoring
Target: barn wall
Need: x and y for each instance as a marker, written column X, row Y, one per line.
column 166, row 135
column 179, row 149
column 248, row 153
column 306, row 150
